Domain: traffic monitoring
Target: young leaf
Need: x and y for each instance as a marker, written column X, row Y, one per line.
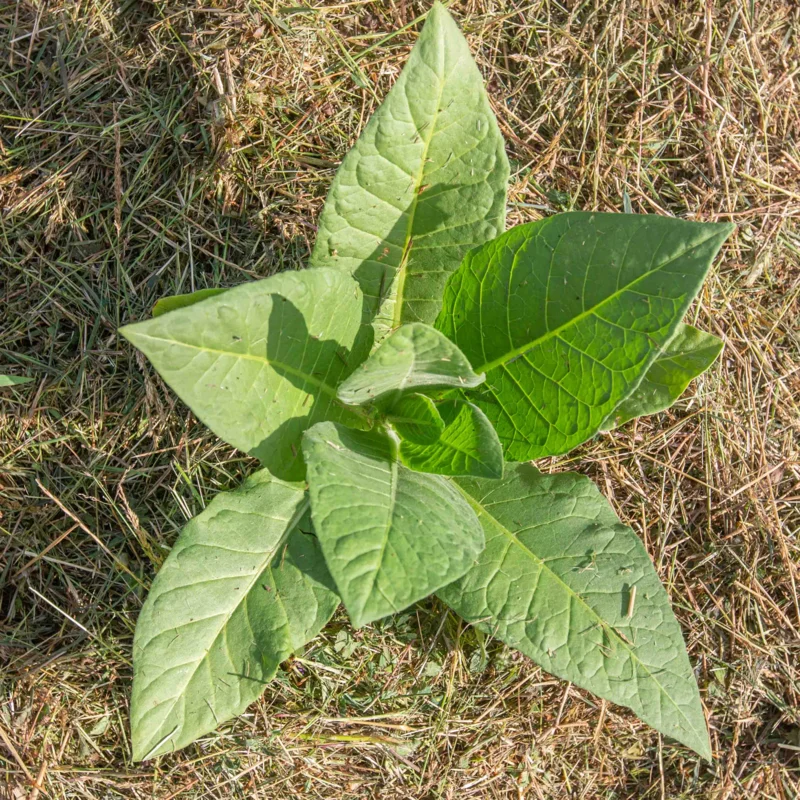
column 468, row 445
column 390, row 536
column 13, row 380
column 565, row 582
column 416, row 419
column 415, row 356
column 689, row 354
column 240, row 591
column 260, row 363
column 425, row 183
column 567, row 314
column 175, row 301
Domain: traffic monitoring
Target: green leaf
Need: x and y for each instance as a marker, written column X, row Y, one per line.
column 260, row 363
column 175, row 301
column 415, row 356
column 241, row 590
column 555, row 582
column 567, row 314
column 416, row 419
column 13, row 380
column 425, row 183
column 689, row 354
column 468, row 445
column 390, row 536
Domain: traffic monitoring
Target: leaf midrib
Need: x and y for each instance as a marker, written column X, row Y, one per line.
column 481, row 510
column 511, row 354
column 394, row 478
column 297, row 373
column 402, row 269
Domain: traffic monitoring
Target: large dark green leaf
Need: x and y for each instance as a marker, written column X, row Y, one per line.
column 390, row 536
column 260, row 363
column 240, row 591
column 556, row 580
column 414, row 357
column 467, row 446
column 425, row 182
column 566, row 315
column 689, row 354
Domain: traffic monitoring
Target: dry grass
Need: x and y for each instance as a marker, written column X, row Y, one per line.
column 148, row 148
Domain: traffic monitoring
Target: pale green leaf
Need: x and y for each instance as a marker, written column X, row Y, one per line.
column 415, row 356
column 467, row 446
column 425, row 183
column 390, row 535
column 567, row 314
column 240, row 591
column 689, row 354
column 416, row 419
column 175, row 301
column 14, row 380
column 556, row 581
column 260, row 363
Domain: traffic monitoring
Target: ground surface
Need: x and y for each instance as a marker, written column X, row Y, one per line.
column 148, row 148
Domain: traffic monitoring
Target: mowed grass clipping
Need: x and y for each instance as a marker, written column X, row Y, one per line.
column 152, row 148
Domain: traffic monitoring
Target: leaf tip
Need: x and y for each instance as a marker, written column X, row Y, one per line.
column 144, row 749
column 439, row 15
column 359, row 615
column 128, row 332
column 723, row 229
column 701, row 744
column 495, row 471
column 705, row 751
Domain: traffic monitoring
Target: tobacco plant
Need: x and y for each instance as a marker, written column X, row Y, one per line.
column 395, row 393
